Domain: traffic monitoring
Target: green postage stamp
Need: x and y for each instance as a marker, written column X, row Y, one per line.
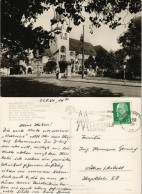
column 121, row 113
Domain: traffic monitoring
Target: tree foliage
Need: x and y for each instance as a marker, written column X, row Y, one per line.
column 18, row 34
column 102, row 59
column 131, row 39
column 134, row 66
column 18, row 17
column 90, row 62
column 50, row 66
column 119, row 59
column 131, row 46
column 7, row 61
column 106, row 60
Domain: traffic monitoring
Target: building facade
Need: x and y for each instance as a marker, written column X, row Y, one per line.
column 63, row 48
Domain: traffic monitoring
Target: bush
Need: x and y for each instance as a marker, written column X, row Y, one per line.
column 18, row 69
column 120, row 75
column 85, row 72
column 50, row 67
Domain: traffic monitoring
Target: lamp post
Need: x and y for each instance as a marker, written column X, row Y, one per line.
column 124, row 66
column 124, row 73
column 82, row 40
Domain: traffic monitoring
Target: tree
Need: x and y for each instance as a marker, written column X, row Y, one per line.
column 106, row 62
column 131, row 39
column 134, row 66
column 18, row 35
column 131, row 46
column 111, row 62
column 119, row 59
column 7, row 61
column 90, row 62
column 50, row 66
column 102, row 59
column 18, row 18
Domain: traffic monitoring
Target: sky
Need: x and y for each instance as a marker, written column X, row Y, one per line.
column 104, row 36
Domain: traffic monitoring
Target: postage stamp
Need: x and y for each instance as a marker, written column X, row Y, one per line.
column 101, row 120
column 121, row 113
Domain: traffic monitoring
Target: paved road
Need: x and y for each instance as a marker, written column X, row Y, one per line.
column 50, row 87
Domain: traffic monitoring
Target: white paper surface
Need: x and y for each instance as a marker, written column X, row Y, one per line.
column 69, row 145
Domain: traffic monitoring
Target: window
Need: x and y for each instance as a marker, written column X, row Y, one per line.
column 72, row 53
column 63, row 49
column 65, row 36
column 61, row 35
column 72, row 61
column 63, row 57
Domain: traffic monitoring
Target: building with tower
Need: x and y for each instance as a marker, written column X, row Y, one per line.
column 64, row 49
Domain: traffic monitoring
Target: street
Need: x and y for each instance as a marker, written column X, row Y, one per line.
column 19, row 86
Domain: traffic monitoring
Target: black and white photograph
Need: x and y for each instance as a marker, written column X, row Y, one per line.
column 70, row 101
column 76, row 48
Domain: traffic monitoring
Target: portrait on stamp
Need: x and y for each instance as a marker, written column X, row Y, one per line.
column 121, row 113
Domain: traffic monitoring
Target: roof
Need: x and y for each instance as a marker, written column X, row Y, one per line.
column 47, row 52
column 98, row 48
column 76, row 45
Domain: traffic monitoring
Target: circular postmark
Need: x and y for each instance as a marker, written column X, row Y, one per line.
column 135, row 122
column 70, row 110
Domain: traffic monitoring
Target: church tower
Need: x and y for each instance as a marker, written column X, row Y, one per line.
column 60, row 44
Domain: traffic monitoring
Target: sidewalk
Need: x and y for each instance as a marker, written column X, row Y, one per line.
column 95, row 80
column 110, row 82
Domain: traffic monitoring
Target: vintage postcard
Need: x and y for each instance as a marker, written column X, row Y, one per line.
column 70, row 98
column 69, row 145
column 78, row 48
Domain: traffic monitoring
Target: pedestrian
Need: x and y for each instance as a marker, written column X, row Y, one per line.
column 57, row 73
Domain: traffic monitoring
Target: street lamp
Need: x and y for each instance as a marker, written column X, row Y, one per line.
column 82, row 40
column 124, row 73
column 124, row 66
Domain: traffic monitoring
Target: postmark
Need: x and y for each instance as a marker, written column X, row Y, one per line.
column 135, row 124
column 85, row 120
column 93, row 121
column 121, row 113
column 70, row 110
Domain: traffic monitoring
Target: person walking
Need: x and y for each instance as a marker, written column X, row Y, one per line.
column 57, row 73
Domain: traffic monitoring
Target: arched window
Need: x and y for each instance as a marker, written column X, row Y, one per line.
column 65, row 36
column 72, row 53
column 61, row 35
column 63, row 49
column 72, row 61
column 63, row 57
